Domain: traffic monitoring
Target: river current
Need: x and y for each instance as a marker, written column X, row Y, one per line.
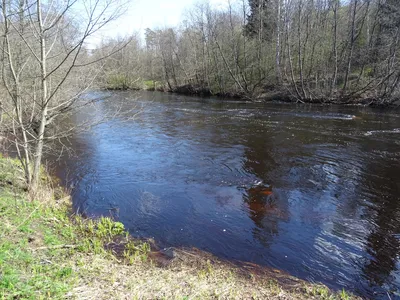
column 310, row 190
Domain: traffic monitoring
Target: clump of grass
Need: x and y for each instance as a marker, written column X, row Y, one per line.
column 107, row 228
column 103, row 228
column 344, row 295
column 149, row 85
column 134, row 251
column 318, row 291
column 11, row 172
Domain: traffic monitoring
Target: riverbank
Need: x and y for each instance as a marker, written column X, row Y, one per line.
column 282, row 94
column 48, row 252
column 279, row 94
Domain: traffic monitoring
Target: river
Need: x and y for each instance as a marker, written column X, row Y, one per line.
column 310, row 190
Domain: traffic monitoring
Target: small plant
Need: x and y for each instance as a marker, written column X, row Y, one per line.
column 107, row 228
column 272, row 285
column 91, row 227
column 210, row 267
column 97, row 246
column 344, row 295
column 133, row 251
column 321, row 291
column 202, row 274
column 64, row 272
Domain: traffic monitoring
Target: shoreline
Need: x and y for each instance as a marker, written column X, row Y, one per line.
column 282, row 98
column 272, row 96
column 86, row 258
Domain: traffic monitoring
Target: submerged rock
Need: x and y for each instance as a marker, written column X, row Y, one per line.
column 169, row 252
column 163, row 257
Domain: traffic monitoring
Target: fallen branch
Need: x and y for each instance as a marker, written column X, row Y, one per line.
column 57, row 247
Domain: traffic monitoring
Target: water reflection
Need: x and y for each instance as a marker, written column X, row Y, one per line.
column 265, row 212
column 300, row 188
column 383, row 242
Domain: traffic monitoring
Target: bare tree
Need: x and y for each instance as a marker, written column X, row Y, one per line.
column 44, row 56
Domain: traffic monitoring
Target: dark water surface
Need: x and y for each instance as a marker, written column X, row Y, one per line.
column 184, row 171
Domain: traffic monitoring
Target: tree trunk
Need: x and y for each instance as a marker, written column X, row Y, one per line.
column 352, row 41
column 278, row 43
column 300, row 53
column 335, row 51
column 44, row 102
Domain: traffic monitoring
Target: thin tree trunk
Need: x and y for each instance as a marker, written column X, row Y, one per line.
column 260, row 36
column 278, row 44
column 289, row 54
column 44, row 102
column 299, row 52
column 352, row 41
column 335, row 51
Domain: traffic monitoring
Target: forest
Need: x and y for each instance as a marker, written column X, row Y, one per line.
column 322, row 51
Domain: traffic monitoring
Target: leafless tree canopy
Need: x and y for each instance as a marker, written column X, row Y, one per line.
column 46, row 68
column 299, row 50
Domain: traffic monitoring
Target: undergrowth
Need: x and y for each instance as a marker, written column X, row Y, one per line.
column 37, row 240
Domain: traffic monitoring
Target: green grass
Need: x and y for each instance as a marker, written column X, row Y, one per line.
column 28, row 273
column 37, row 241
column 10, row 171
column 149, row 85
column 122, row 82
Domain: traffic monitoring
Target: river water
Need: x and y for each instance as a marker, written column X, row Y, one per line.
column 310, row 190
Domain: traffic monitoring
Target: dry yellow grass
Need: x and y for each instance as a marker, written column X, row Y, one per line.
column 192, row 274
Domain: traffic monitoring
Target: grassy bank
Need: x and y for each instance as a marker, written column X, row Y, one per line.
column 47, row 252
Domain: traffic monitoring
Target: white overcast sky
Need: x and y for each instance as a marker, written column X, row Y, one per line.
column 144, row 14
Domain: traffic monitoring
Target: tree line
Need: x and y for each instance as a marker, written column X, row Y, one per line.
column 297, row 50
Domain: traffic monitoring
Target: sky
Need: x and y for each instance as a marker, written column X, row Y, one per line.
column 142, row 14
